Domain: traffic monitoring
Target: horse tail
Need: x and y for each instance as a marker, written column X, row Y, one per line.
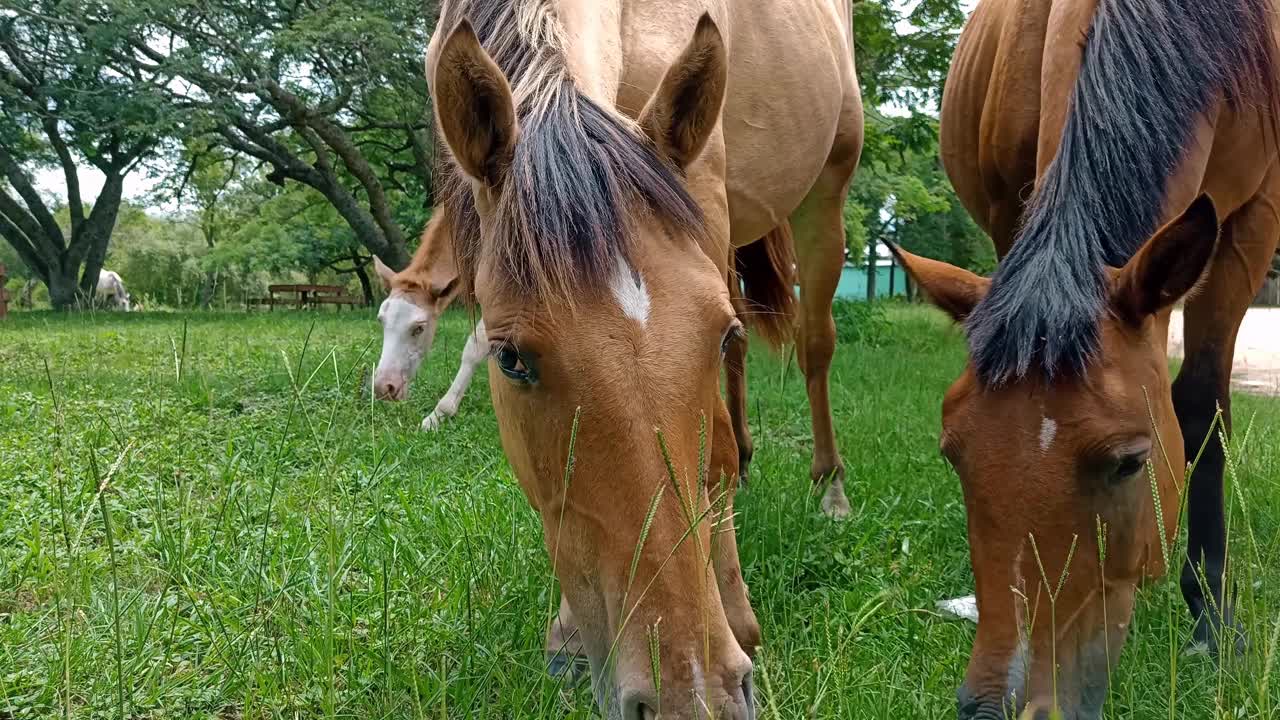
column 766, row 269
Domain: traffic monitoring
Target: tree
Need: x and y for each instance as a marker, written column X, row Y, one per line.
column 59, row 105
column 329, row 94
column 211, row 178
column 900, row 193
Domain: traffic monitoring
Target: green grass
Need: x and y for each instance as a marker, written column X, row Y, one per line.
column 202, row 516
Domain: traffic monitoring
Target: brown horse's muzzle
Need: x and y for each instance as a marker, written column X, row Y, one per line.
column 1071, row 674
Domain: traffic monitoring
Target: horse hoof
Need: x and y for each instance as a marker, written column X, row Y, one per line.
column 834, row 504
column 571, row 667
column 431, row 423
column 1210, row 635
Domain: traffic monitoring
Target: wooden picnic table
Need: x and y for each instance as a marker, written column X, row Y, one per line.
column 300, row 296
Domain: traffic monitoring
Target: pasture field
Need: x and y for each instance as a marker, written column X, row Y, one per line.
column 203, row 516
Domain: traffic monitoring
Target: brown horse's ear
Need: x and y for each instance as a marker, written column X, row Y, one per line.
column 686, row 106
column 1169, row 265
column 385, row 274
column 474, row 107
column 954, row 290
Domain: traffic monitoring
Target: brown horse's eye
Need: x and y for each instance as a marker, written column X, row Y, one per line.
column 1131, row 465
column 512, row 363
column 734, row 332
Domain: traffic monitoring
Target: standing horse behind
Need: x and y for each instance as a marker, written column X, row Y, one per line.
column 1147, row 130
column 609, row 154
column 111, row 291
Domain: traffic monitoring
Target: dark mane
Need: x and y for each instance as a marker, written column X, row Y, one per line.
column 1150, row 69
column 580, row 175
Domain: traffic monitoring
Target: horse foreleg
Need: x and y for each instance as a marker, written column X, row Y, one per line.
column 818, row 228
column 565, row 653
column 721, row 488
column 474, row 354
column 1212, row 319
column 735, row 381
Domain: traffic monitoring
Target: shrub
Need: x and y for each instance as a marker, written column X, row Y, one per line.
column 860, row 323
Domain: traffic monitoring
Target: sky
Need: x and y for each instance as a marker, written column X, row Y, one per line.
column 51, row 182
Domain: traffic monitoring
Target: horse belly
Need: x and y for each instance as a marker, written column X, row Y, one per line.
column 991, row 112
column 792, row 90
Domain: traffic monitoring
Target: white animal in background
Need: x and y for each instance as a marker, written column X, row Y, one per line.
column 111, row 291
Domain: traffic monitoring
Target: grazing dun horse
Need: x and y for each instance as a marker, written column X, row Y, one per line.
column 111, row 291
column 1147, row 130
column 416, row 298
column 603, row 174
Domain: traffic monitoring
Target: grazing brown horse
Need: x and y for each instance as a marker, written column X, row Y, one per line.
column 1121, row 153
column 610, row 153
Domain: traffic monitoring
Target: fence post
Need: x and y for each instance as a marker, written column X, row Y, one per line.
column 4, row 292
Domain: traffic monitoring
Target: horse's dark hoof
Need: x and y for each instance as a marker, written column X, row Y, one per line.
column 1210, row 635
column 572, row 668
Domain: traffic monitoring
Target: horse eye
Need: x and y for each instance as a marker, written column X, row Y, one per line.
column 512, row 363
column 417, row 330
column 734, row 332
column 1131, row 465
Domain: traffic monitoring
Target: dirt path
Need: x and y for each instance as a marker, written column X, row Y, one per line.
column 1257, row 364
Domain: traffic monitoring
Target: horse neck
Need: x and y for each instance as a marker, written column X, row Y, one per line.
column 433, row 262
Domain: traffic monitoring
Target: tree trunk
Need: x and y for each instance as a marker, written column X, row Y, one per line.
column 24, row 298
column 207, row 289
column 365, row 227
column 871, row 268
column 64, row 290
column 209, row 285
column 95, row 234
column 365, row 286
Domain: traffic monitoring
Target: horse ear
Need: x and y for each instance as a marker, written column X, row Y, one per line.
column 474, row 107
column 684, row 110
column 385, row 274
column 954, row 290
column 1169, row 265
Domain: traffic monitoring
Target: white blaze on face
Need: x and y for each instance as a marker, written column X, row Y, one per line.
column 629, row 290
column 1048, row 430
column 407, row 332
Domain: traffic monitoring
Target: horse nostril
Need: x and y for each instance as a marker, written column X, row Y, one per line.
column 966, row 704
column 748, row 697
column 638, row 706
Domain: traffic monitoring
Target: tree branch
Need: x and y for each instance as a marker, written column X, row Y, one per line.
column 25, row 250
column 27, row 226
column 75, row 206
column 35, row 204
column 355, row 162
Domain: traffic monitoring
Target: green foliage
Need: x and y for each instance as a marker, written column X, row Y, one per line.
column 900, row 193
column 860, row 323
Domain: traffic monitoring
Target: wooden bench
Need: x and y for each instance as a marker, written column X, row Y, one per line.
column 305, row 296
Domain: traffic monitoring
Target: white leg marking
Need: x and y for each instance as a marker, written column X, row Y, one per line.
column 473, row 356
column 630, row 292
column 965, row 608
column 1048, row 429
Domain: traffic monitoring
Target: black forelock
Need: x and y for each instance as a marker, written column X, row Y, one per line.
column 579, row 177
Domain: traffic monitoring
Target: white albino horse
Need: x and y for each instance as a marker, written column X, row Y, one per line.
column 111, row 291
column 409, row 316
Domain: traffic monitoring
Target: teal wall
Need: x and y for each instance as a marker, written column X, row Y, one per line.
column 853, row 282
